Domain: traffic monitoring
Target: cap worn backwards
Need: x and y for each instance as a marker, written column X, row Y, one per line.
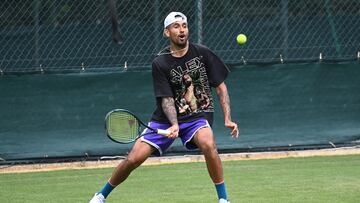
column 173, row 17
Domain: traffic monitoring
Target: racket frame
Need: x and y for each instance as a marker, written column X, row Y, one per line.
column 139, row 122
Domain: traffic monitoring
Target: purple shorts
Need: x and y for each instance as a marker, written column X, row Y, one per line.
column 186, row 133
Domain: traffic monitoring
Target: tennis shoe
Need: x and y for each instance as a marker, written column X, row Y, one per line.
column 223, row 201
column 98, row 198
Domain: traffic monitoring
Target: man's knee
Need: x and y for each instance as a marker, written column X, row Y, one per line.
column 139, row 153
column 208, row 146
column 133, row 162
column 205, row 142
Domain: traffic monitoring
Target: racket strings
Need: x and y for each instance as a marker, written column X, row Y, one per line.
column 122, row 127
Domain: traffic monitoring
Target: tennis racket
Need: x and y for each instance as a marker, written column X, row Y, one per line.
column 124, row 127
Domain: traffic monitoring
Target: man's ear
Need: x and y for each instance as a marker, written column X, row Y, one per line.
column 166, row 33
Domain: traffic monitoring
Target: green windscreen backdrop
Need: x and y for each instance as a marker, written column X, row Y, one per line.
column 288, row 106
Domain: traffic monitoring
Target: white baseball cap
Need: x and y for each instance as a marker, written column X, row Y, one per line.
column 173, row 17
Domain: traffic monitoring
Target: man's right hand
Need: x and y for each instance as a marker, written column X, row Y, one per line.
column 174, row 131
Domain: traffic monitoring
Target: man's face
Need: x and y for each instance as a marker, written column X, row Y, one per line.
column 178, row 33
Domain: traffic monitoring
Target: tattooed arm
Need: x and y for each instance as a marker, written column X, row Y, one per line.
column 224, row 99
column 168, row 106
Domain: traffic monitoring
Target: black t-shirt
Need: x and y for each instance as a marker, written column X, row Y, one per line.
column 188, row 80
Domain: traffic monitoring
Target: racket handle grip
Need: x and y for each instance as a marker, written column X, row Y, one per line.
column 163, row 132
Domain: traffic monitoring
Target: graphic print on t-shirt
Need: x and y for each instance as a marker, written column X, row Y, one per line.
column 192, row 90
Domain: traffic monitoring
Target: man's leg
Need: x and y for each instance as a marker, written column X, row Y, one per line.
column 204, row 139
column 139, row 153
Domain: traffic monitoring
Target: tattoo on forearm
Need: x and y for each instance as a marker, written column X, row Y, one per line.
column 225, row 103
column 168, row 106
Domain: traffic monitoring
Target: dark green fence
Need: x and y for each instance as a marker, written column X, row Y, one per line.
column 68, row 35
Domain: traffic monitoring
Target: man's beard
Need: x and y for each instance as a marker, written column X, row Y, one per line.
column 180, row 43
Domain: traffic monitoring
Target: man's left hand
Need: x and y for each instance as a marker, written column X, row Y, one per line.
column 235, row 131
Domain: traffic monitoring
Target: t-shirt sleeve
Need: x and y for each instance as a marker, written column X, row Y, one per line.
column 161, row 84
column 217, row 70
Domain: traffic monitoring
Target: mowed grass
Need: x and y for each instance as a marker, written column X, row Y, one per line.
column 312, row 179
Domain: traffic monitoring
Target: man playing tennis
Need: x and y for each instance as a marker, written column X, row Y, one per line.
column 183, row 75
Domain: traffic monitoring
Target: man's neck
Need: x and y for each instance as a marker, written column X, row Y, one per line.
column 177, row 51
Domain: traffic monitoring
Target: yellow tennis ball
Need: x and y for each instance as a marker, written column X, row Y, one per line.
column 241, row 39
